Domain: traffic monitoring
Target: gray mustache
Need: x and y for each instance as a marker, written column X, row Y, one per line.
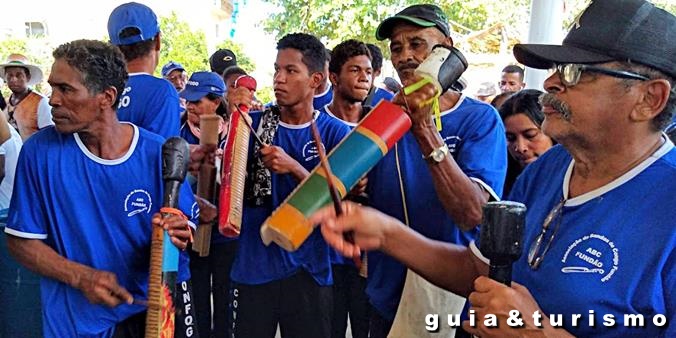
column 548, row 99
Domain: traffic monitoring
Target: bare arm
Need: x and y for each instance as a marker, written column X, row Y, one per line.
column 461, row 197
column 449, row 266
column 98, row 286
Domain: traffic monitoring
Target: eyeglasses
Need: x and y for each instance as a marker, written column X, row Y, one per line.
column 537, row 252
column 570, row 73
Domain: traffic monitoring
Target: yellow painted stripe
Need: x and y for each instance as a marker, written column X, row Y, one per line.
column 336, row 182
column 373, row 137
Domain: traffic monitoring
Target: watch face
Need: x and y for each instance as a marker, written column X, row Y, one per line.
column 438, row 156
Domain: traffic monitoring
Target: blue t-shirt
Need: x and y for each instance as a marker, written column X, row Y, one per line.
column 321, row 100
column 475, row 137
column 256, row 263
column 150, row 103
column 186, row 134
column 336, row 257
column 95, row 212
column 615, row 248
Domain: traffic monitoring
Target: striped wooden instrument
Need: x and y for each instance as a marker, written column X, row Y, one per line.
column 233, row 174
column 206, row 180
column 350, row 160
column 163, row 253
column 235, row 154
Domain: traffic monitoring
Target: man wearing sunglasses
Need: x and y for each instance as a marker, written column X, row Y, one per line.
column 599, row 235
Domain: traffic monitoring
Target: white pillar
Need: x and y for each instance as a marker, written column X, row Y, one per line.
column 546, row 21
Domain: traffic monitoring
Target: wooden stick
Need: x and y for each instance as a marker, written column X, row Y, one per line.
column 258, row 138
column 324, row 162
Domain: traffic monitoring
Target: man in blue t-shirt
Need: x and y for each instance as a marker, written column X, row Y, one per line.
column 271, row 286
column 599, row 246
column 351, row 75
column 87, row 195
column 434, row 180
column 147, row 101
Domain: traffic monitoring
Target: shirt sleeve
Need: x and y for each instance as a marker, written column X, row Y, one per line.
column 27, row 217
column 44, row 114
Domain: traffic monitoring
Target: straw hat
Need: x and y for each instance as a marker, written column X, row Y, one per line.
column 19, row 60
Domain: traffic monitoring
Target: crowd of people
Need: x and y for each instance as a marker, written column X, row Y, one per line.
column 590, row 157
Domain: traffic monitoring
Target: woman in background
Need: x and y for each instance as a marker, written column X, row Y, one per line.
column 522, row 116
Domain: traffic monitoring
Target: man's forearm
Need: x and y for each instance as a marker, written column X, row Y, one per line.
column 40, row 258
column 461, row 197
column 449, row 266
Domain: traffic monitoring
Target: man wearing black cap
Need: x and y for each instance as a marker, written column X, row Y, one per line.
column 446, row 176
column 221, row 59
column 146, row 101
column 600, row 246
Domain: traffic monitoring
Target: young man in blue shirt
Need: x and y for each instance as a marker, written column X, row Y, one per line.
column 270, row 285
column 351, row 76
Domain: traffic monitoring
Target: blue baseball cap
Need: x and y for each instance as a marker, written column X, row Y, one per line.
column 170, row 67
column 202, row 83
column 132, row 15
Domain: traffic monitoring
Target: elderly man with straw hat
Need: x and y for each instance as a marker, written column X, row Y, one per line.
column 27, row 110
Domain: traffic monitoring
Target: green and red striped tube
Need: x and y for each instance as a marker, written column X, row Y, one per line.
column 350, row 161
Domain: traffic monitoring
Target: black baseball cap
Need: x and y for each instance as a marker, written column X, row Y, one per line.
column 611, row 30
column 425, row 15
column 221, row 59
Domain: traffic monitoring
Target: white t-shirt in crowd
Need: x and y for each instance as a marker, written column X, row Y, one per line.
column 10, row 149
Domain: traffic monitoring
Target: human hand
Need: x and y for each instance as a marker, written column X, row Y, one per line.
column 370, row 227
column 239, row 96
column 202, row 154
column 492, row 297
column 101, row 287
column 417, row 104
column 208, row 211
column 176, row 226
column 277, row 160
column 360, row 187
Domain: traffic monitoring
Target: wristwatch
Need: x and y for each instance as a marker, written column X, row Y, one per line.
column 437, row 155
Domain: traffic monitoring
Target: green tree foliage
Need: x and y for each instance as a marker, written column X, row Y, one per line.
column 335, row 21
column 265, row 94
column 243, row 60
column 338, row 20
column 183, row 45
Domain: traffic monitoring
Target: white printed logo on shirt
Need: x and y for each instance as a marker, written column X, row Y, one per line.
column 592, row 254
column 452, row 143
column 137, row 201
column 310, row 151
